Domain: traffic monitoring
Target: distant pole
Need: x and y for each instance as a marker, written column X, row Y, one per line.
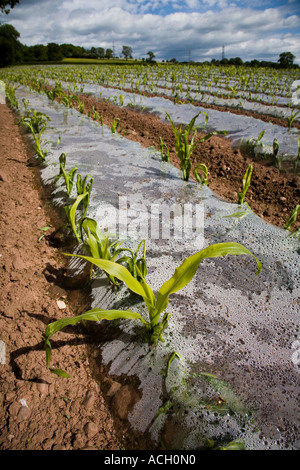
column 223, row 52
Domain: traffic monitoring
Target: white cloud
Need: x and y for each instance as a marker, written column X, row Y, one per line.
column 196, row 28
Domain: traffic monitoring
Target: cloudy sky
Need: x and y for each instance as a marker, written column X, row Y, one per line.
column 184, row 29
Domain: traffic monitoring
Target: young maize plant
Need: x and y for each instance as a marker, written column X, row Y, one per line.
column 68, row 177
column 35, row 120
column 80, row 106
column 41, row 153
column 253, row 141
column 71, row 213
column 10, row 92
column 156, row 306
column 292, row 117
column 292, row 218
column 96, row 115
column 203, row 168
column 100, row 246
column 246, row 184
column 184, row 147
column 82, row 185
column 136, row 266
column 114, row 125
column 165, row 157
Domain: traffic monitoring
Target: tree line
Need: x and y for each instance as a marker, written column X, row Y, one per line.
column 13, row 52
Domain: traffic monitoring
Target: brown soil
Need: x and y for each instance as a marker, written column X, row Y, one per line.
column 39, row 410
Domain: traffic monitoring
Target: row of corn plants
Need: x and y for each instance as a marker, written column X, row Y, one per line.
column 243, row 83
column 184, row 146
column 125, row 267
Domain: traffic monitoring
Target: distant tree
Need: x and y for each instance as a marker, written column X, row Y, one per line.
column 101, row 52
column 127, row 52
column 4, row 5
column 151, row 56
column 108, row 53
column 37, row 53
column 286, row 59
column 10, row 48
column 54, row 52
column 69, row 50
column 235, row 61
column 40, row 52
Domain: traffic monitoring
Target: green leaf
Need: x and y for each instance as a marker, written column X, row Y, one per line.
column 59, row 372
column 246, row 184
column 233, row 445
column 95, row 314
column 186, row 271
column 121, row 273
column 72, row 212
column 172, row 357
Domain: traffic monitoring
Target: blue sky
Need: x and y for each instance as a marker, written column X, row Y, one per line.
column 184, row 29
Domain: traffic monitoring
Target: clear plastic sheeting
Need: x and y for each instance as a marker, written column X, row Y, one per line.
column 235, row 371
column 239, row 127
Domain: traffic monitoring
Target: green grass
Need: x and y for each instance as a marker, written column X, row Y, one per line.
column 103, row 61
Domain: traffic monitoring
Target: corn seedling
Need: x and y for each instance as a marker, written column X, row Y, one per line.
column 292, row 218
column 80, row 106
column 253, row 141
column 134, row 264
column 41, row 153
column 197, row 174
column 68, row 177
column 173, row 356
column 95, row 115
column 99, row 244
column 291, row 118
column 44, row 229
column 71, row 213
column 35, row 120
column 156, row 306
column 246, row 184
column 82, row 185
column 276, row 160
column 114, row 125
column 165, row 157
column 11, row 95
column 184, row 146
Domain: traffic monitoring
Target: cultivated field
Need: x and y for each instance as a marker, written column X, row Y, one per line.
column 150, row 144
